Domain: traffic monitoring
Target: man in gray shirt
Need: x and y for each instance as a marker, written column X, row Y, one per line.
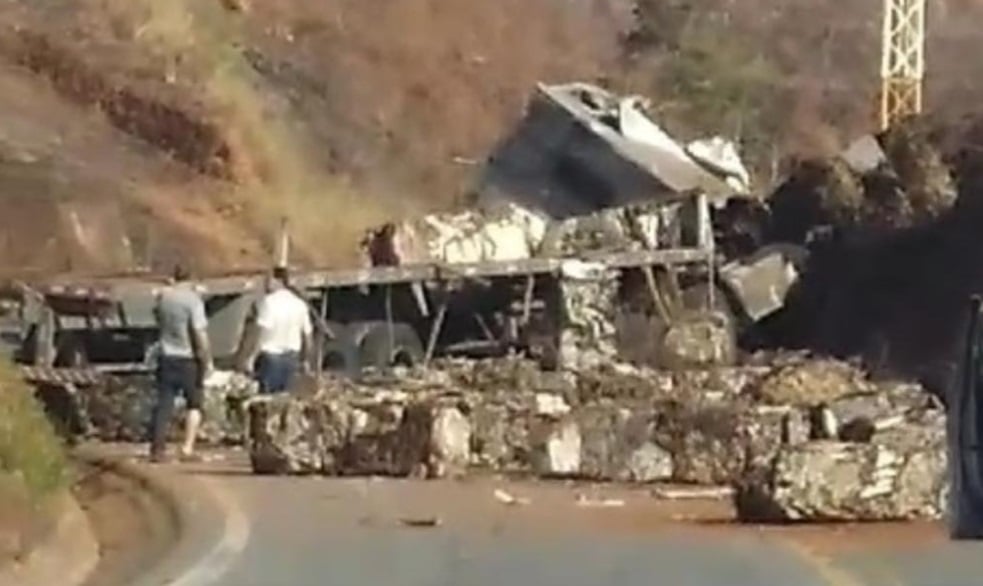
column 185, row 361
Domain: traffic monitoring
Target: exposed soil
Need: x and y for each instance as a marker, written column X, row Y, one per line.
column 186, row 129
column 22, row 526
column 133, row 528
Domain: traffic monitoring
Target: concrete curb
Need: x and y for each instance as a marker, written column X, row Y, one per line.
column 67, row 555
column 212, row 530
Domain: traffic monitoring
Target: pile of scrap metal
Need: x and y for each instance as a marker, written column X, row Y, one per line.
column 588, row 171
column 798, row 438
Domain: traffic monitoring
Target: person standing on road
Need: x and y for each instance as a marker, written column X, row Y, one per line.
column 185, row 361
column 283, row 337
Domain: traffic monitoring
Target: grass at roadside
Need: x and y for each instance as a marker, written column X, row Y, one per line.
column 30, row 451
column 32, row 464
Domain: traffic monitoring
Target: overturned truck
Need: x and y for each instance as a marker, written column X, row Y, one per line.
column 592, row 236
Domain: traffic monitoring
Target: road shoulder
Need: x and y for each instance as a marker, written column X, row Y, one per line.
column 66, row 556
column 212, row 531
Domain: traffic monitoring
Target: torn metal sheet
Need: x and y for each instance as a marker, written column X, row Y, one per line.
column 720, row 155
column 762, row 281
column 581, row 148
column 864, row 154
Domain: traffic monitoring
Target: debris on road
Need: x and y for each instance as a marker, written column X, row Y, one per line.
column 694, row 493
column 508, row 499
column 761, row 434
column 791, row 436
column 421, row 522
column 586, row 501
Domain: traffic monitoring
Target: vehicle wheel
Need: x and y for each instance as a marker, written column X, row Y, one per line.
column 379, row 350
column 71, row 354
column 639, row 336
column 340, row 353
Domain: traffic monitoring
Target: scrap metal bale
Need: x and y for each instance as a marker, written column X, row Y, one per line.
column 700, row 340
column 616, row 444
column 811, row 383
column 837, row 481
column 705, row 444
column 623, row 382
column 716, row 441
column 121, row 409
column 383, row 436
column 224, row 416
column 288, row 435
column 857, row 417
column 555, row 448
column 588, row 298
column 433, row 440
column 500, row 436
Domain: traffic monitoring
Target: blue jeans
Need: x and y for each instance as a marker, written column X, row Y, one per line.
column 276, row 372
column 175, row 376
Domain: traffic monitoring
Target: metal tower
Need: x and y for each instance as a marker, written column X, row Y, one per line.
column 902, row 59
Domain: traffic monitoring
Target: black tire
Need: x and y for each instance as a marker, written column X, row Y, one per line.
column 71, row 353
column 380, row 349
column 339, row 353
column 639, row 336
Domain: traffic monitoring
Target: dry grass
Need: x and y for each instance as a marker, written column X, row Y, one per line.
column 270, row 164
column 32, row 465
column 30, row 452
column 337, row 114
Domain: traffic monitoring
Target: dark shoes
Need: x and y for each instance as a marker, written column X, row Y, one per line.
column 160, row 458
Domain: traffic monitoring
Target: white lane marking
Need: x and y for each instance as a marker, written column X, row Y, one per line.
column 235, row 536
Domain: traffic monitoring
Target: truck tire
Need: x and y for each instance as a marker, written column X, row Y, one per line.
column 405, row 349
column 340, row 354
column 71, row 353
column 639, row 336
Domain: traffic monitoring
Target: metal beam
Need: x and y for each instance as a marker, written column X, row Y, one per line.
column 902, row 60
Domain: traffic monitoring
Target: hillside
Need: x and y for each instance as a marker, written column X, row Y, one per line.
column 136, row 131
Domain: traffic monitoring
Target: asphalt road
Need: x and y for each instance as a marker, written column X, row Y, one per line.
column 315, row 532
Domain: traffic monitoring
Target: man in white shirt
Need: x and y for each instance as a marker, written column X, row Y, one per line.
column 283, row 334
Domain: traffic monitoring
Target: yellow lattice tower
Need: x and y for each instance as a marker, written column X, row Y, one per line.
column 903, row 60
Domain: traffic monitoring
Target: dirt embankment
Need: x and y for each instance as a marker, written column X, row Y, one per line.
column 220, row 121
column 193, row 126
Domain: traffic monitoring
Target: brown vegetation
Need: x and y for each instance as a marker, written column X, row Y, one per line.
column 195, row 125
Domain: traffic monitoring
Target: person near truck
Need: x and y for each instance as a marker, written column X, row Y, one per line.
column 184, row 361
column 283, row 333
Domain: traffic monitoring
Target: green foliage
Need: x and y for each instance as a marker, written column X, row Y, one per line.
column 30, row 452
column 710, row 79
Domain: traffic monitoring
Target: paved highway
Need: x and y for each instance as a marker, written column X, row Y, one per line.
column 316, row 531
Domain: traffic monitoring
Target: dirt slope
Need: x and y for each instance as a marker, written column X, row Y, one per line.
column 184, row 128
column 133, row 132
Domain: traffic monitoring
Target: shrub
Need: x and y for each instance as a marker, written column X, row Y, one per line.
column 30, row 452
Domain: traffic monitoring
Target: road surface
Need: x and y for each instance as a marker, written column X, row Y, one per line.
column 318, row 531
